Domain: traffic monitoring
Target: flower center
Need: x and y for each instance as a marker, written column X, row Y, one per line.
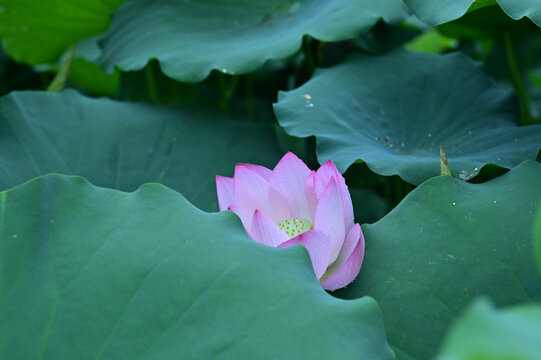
column 295, row 226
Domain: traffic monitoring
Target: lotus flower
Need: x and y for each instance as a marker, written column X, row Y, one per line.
column 293, row 205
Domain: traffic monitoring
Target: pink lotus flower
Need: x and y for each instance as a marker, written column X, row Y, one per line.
column 294, row 205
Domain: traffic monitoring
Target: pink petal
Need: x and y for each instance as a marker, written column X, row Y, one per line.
column 348, row 271
column 278, row 208
column 252, row 192
column 224, row 189
column 265, row 231
column 318, row 246
column 329, row 217
column 289, row 177
column 259, row 170
column 352, row 239
column 324, row 175
column 310, row 193
column 319, row 186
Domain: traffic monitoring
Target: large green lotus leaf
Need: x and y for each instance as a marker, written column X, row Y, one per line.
column 123, row 145
column 93, row 273
column 484, row 333
column 447, row 242
column 537, row 239
column 519, row 8
column 436, row 12
column 394, row 111
column 37, row 32
column 191, row 38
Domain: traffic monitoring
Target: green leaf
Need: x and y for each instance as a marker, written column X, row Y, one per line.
column 478, row 4
column 537, row 239
column 85, row 72
column 233, row 37
column 431, row 41
column 37, row 32
column 517, row 9
column 92, row 273
column 436, row 12
column 447, row 242
column 92, row 78
column 394, row 111
column 484, row 333
column 123, row 145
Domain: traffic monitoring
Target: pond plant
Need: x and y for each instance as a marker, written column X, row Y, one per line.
column 280, row 179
